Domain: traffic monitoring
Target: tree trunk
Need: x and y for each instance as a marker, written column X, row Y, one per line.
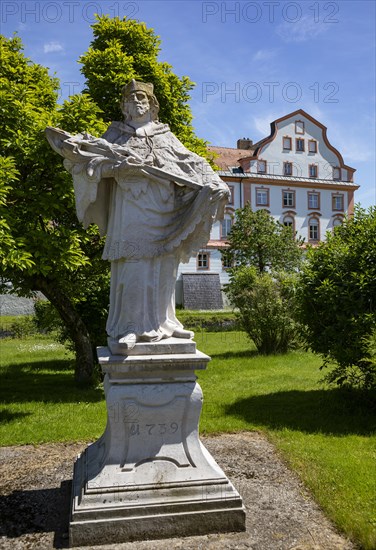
column 84, row 367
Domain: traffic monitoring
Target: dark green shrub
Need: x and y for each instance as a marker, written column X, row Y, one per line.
column 215, row 321
column 337, row 300
column 24, row 326
column 266, row 308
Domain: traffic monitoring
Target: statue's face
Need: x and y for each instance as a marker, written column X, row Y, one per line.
column 137, row 105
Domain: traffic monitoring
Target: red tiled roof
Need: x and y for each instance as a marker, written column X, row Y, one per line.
column 228, row 156
column 217, row 244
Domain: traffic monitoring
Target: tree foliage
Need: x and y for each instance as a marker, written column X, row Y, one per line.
column 337, row 300
column 44, row 246
column 264, row 256
column 123, row 49
column 257, row 240
column 265, row 307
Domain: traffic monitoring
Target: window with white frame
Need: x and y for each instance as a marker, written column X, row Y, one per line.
column 226, row 225
column 313, row 200
column 337, row 222
column 314, row 229
column 287, row 143
column 312, row 146
column 203, row 259
column 299, row 144
column 337, row 202
column 287, row 168
column 313, row 170
column 261, row 166
column 262, row 197
column 288, row 199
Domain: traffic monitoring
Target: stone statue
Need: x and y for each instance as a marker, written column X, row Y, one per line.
column 154, row 200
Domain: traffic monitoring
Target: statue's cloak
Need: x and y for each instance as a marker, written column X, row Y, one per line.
column 147, row 214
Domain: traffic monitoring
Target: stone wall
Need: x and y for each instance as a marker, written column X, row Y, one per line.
column 202, row 291
column 10, row 304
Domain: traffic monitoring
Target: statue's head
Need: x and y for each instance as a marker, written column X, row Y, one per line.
column 139, row 95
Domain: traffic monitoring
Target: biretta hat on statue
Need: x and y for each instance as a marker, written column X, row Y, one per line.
column 136, row 86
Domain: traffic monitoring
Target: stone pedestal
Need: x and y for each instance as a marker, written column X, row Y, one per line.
column 149, row 476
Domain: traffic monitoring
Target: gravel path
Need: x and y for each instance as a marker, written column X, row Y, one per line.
column 35, row 487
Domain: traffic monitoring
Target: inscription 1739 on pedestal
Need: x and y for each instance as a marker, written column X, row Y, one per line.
column 156, row 433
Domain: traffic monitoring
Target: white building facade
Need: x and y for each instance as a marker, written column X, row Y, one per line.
column 294, row 173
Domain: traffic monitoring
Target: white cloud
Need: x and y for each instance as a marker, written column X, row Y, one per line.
column 264, row 55
column 302, row 30
column 50, row 47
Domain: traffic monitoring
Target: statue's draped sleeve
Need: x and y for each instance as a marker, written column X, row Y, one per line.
column 91, row 189
column 92, row 192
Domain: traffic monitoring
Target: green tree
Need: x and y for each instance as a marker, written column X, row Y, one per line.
column 337, row 299
column 256, row 239
column 264, row 256
column 265, row 307
column 43, row 246
column 123, row 49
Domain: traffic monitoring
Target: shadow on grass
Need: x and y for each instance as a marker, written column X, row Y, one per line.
column 37, row 511
column 245, row 354
column 47, row 381
column 334, row 411
column 7, row 416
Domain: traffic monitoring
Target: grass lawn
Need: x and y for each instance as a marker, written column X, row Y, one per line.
column 326, row 435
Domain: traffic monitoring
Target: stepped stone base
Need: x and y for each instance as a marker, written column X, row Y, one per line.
column 149, row 476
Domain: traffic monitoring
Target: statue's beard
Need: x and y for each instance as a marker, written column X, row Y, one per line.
column 140, row 110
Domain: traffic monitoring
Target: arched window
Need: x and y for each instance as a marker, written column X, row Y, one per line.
column 337, row 221
column 288, row 221
column 314, row 229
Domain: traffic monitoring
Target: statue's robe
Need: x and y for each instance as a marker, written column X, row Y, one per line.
column 151, row 223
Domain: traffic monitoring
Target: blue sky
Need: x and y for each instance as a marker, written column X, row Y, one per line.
column 252, row 62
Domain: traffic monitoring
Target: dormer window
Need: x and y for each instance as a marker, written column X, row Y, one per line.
column 336, row 173
column 299, row 144
column 299, row 127
column 261, row 167
column 312, row 146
